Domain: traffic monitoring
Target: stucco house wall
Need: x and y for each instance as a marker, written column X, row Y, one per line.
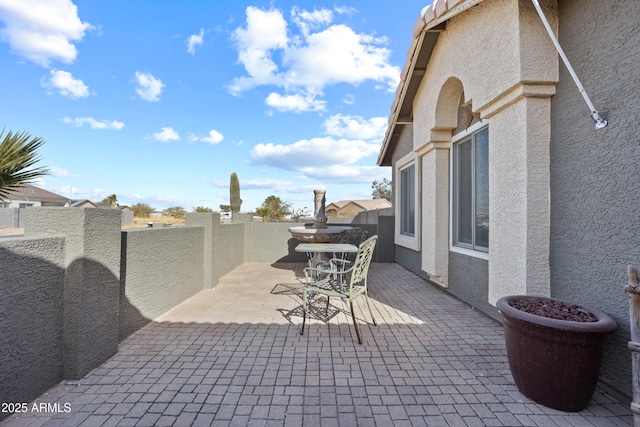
column 563, row 212
column 595, row 224
column 407, row 253
column 484, row 55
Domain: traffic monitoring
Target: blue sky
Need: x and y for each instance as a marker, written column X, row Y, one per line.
column 160, row 101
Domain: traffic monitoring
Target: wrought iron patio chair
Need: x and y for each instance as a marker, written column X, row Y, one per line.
column 344, row 284
column 355, row 237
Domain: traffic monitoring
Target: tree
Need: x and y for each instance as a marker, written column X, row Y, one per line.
column 382, row 189
column 202, row 209
column 225, row 208
column 142, row 210
column 175, row 212
column 17, row 157
column 263, row 213
column 112, row 201
column 274, row 208
column 234, row 193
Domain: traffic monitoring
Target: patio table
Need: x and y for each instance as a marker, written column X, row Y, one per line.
column 314, row 251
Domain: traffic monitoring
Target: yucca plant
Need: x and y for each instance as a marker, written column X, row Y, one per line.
column 17, row 157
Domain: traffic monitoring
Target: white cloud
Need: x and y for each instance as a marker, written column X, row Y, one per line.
column 66, row 84
column 277, row 185
column 39, row 182
column 166, row 134
column 308, row 21
column 195, row 40
column 42, row 30
column 346, row 10
column 265, row 184
column 297, row 103
column 321, row 54
column 149, row 88
column 316, row 152
column 356, row 127
column 338, row 54
column 95, row 124
column 347, row 174
column 266, row 30
column 349, row 99
column 59, row 172
column 214, row 137
column 220, row 184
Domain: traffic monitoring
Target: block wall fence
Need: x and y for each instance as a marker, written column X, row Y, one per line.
column 76, row 284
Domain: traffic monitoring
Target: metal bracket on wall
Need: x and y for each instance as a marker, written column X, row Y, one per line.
column 597, row 118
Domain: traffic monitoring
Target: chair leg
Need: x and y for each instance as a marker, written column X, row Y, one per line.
column 304, row 311
column 326, row 309
column 355, row 325
column 366, row 296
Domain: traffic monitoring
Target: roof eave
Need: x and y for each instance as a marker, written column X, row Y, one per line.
column 430, row 24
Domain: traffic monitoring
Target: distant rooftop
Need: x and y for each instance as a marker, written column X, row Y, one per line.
column 32, row 193
column 367, row 204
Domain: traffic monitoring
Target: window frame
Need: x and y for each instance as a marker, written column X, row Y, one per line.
column 403, row 164
column 408, row 220
column 471, row 249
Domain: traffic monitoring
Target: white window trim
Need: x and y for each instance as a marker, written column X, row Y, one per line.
column 409, row 242
column 469, row 252
column 452, row 247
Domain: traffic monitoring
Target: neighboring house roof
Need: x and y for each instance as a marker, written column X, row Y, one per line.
column 32, row 193
column 122, row 208
column 367, row 205
column 83, row 204
column 430, row 24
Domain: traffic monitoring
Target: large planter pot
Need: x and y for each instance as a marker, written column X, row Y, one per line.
column 554, row 362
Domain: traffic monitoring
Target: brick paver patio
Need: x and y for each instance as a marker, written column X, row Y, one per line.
column 233, row 356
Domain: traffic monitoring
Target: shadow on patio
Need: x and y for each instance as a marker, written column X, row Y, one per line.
column 233, row 355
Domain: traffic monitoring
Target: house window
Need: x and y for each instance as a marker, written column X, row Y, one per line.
column 406, row 193
column 408, row 201
column 470, row 198
column 25, row 205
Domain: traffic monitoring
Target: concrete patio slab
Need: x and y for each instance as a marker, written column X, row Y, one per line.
column 233, row 356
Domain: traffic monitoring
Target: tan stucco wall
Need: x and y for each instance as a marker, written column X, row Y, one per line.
column 519, row 200
column 435, row 214
column 491, row 48
column 499, row 54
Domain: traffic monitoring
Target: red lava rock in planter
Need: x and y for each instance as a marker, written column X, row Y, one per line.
column 554, row 362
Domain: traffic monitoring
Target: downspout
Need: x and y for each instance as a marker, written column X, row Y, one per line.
column 597, row 118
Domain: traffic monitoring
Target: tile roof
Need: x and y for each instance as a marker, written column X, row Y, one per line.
column 367, row 204
column 32, row 193
column 430, row 23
